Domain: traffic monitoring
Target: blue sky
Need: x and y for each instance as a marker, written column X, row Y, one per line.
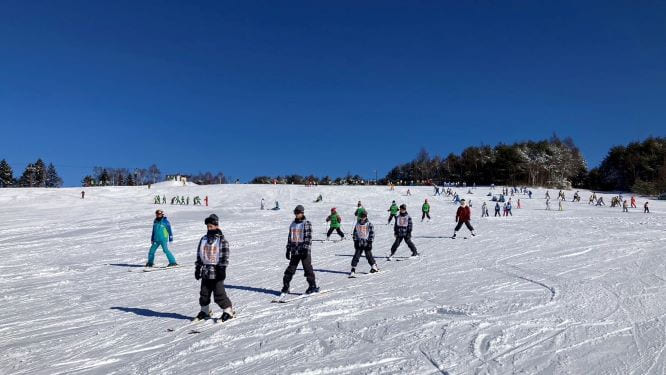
column 252, row 88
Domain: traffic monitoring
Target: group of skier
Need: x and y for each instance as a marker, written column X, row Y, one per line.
column 182, row 200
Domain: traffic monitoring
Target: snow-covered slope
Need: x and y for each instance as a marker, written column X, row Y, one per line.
column 543, row 292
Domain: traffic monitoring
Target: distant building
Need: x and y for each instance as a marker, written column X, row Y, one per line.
column 178, row 178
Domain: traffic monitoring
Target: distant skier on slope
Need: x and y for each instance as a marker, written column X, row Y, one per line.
column 161, row 236
column 364, row 235
column 299, row 242
column 463, row 216
column 211, row 269
column 359, row 209
column 393, row 212
column 335, row 221
column 425, row 210
column 402, row 230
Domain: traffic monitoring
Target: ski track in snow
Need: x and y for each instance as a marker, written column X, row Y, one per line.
column 541, row 292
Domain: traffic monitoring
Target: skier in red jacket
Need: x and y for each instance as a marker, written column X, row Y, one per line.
column 463, row 216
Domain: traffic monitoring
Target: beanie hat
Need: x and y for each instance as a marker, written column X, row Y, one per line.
column 403, row 206
column 212, row 219
column 298, row 209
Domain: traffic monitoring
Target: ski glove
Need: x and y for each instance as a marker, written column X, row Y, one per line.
column 197, row 272
column 170, row 238
column 288, row 254
column 220, row 272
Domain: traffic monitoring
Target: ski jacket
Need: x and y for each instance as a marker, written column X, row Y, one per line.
column 212, row 252
column 161, row 231
column 394, row 209
column 425, row 207
column 463, row 214
column 299, row 239
column 497, row 207
column 403, row 226
column 364, row 233
column 335, row 220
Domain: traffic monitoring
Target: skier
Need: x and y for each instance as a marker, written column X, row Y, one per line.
column 335, row 221
column 518, row 204
column 547, row 195
column 425, row 209
column 463, row 216
column 163, row 199
column 561, row 208
column 211, row 269
column 600, row 201
column 206, row 200
column 188, row 200
column 277, row 206
column 402, row 230
column 548, row 204
column 497, row 209
column 646, row 210
column 633, row 201
column 529, row 194
column 298, row 250
column 262, row 203
column 625, row 206
column 409, row 192
column 484, row 210
column 83, row 194
column 161, row 235
column 364, row 234
column 319, row 199
column 359, row 209
column 508, row 209
column 393, row 212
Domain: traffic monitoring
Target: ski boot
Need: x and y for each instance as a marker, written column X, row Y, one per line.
column 148, row 265
column 353, row 272
column 374, row 268
column 172, row 265
column 204, row 314
column 227, row 314
column 312, row 289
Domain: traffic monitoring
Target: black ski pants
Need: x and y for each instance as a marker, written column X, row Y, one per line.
column 408, row 241
column 331, row 229
column 297, row 258
column 391, row 217
column 467, row 224
column 497, row 213
column 359, row 251
column 425, row 214
column 216, row 287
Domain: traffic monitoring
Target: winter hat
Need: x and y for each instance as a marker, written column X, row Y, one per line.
column 403, row 206
column 359, row 203
column 298, row 209
column 333, row 209
column 212, row 219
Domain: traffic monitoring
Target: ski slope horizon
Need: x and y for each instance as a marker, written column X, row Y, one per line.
column 541, row 292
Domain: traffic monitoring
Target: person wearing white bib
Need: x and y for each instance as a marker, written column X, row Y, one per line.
column 364, row 235
column 211, row 269
column 299, row 242
column 402, row 230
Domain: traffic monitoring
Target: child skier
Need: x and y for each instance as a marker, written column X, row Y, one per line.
column 402, row 230
column 364, row 234
column 484, row 210
column 335, row 221
column 646, row 210
column 298, row 250
column 463, row 216
column 359, row 209
column 625, row 206
column 393, row 212
column 211, row 269
column 425, row 209
column 161, row 235
column 497, row 209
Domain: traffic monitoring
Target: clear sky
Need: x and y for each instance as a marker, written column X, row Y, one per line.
column 278, row 87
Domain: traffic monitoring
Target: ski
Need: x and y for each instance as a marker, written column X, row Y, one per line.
column 160, row 268
column 300, row 296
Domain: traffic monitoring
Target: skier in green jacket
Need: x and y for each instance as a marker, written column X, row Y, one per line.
column 335, row 221
column 393, row 212
column 426, row 210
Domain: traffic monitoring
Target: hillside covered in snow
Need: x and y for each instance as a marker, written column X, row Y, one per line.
column 577, row 291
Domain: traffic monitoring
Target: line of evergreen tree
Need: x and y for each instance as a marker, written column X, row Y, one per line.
column 36, row 174
column 107, row 176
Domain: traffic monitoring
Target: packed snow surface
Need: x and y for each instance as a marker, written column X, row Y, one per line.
column 579, row 291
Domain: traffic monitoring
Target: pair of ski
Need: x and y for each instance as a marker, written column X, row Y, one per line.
column 290, row 297
column 155, row 268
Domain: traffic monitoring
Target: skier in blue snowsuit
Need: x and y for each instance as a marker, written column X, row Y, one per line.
column 161, row 236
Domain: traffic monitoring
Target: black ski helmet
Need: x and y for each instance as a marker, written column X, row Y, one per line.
column 403, row 207
column 298, row 209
